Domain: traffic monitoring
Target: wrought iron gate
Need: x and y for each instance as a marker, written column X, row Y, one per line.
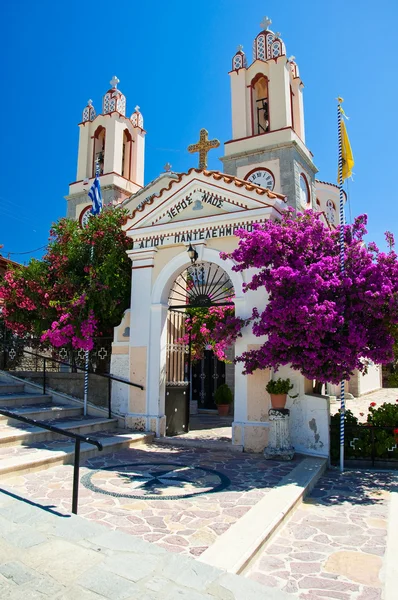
column 207, row 374
column 177, row 375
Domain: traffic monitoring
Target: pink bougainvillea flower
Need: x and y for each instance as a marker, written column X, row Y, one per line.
column 321, row 322
column 372, row 404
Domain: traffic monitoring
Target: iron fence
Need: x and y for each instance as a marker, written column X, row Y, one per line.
column 367, row 443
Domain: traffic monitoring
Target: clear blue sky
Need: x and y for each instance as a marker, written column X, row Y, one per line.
column 173, row 58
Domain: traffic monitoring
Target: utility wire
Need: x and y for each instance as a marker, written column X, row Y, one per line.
column 29, row 251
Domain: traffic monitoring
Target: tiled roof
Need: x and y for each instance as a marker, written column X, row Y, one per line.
column 216, row 176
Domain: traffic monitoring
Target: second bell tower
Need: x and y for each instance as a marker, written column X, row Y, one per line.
column 116, row 143
column 268, row 138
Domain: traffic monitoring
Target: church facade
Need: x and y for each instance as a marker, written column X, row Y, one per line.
column 180, row 222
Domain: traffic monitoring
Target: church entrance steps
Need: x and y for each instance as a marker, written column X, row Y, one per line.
column 11, row 435
column 11, row 388
column 235, row 550
column 43, row 411
column 28, row 447
column 44, row 455
column 22, row 399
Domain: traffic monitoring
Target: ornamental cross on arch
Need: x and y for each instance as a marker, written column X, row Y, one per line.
column 203, row 146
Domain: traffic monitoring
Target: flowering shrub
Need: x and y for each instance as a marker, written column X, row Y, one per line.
column 385, row 415
column 321, row 322
column 79, row 289
column 215, row 327
column 358, row 437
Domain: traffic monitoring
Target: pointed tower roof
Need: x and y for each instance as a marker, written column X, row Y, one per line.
column 114, row 100
column 239, row 60
column 89, row 112
column 267, row 44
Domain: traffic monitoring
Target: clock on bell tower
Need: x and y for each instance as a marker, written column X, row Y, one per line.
column 268, row 138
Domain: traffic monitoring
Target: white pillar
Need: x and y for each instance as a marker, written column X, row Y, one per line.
column 279, row 446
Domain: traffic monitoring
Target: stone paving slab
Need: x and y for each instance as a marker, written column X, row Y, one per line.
column 99, row 564
column 334, row 545
column 181, row 499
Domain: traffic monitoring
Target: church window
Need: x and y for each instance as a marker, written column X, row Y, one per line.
column 126, row 156
column 260, row 105
column 99, row 150
column 276, row 49
column 304, row 191
column 291, row 106
column 330, row 211
column 237, row 62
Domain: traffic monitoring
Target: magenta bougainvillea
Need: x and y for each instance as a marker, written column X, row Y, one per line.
column 78, row 290
column 214, row 328
column 321, row 322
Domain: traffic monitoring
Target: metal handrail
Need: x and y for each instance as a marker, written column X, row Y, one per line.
column 108, row 376
column 69, row 434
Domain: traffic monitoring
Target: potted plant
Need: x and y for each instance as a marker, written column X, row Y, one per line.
column 223, row 398
column 278, row 389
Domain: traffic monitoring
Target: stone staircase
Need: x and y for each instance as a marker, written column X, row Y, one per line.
column 25, row 448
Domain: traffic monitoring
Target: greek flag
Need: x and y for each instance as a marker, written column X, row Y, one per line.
column 95, row 196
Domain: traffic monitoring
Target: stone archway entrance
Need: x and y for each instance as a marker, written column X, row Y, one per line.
column 192, row 377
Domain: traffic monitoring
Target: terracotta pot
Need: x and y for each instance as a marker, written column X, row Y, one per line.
column 223, row 409
column 278, row 400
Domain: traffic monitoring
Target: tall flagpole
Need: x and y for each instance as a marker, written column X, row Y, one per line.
column 87, row 352
column 342, row 269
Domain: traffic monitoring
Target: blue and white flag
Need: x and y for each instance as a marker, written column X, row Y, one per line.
column 95, row 196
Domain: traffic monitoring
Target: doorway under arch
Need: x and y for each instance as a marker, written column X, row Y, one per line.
column 193, row 373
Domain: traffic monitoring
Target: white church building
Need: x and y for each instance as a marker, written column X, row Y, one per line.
column 266, row 167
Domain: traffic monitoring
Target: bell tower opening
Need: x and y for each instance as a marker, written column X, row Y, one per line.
column 260, row 106
column 126, row 154
column 99, row 150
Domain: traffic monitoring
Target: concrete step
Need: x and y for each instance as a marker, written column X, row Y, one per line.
column 17, row 460
column 11, row 388
column 29, row 435
column 22, row 399
column 43, row 412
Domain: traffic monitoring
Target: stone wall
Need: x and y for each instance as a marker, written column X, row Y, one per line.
column 72, row 384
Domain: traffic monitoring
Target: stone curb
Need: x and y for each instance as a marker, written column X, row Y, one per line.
column 390, row 569
column 233, row 550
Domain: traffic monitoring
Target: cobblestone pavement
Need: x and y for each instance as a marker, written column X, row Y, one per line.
column 334, row 544
column 361, row 405
column 179, row 498
column 206, row 428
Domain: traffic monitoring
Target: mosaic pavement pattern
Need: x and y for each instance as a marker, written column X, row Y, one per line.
column 130, row 491
column 334, row 544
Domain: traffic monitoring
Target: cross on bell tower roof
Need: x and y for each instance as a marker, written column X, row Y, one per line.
column 114, row 81
column 265, row 23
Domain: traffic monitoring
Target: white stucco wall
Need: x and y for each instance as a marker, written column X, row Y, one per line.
column 371, row 381
column 309, row 425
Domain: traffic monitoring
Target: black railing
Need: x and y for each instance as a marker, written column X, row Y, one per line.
column 69, row 434
column 366, row 442
column 49, row 359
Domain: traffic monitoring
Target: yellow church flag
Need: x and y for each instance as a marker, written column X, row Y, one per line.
column 346, row 152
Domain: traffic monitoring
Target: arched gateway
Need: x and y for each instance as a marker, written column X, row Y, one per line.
column 192, row 377
column 194, row 213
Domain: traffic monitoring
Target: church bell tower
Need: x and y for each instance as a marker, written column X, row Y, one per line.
column 268, row 138
column 116, row 143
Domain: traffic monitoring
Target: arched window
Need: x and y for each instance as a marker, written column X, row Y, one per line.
column 126, row 156
column 260, row 106
column 99, row 150
column 331, row 211
column 305, row 197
